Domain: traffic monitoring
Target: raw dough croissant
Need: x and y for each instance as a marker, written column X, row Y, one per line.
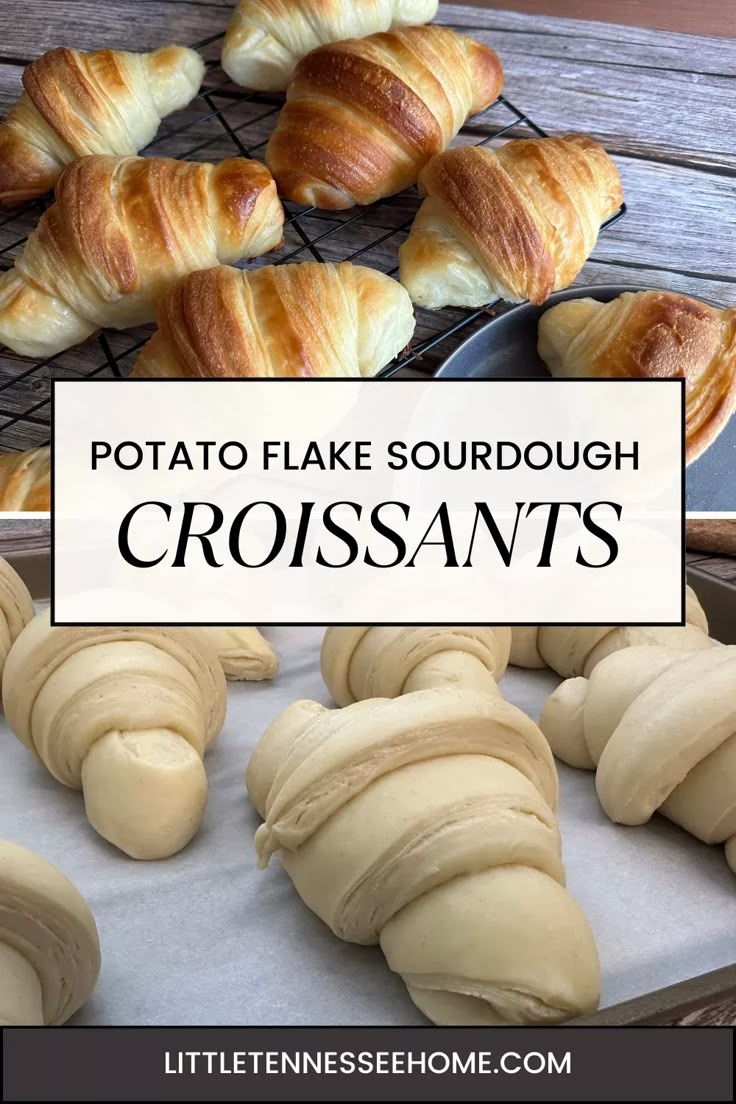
column 426, row 823
column 305, row 319
column 362, row 117
column 656, row 335
column 16, row 609
column 266, row 38
column 124, row 714
column 377, row 662
column 121, row 232
column 244, row 654
column 517, row 222
column 660, row 725
column 49, row 949
column 572, row 651
column 75, row 104
column 25, row 480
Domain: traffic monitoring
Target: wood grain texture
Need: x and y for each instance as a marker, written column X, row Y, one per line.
column 660, row 102
column 714, row 17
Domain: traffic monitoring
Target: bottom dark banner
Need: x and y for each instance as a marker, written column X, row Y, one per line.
column 245, row 1063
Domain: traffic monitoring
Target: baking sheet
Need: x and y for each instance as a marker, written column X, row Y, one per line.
column 206, row 938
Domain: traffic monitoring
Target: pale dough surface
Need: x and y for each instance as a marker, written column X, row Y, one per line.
column 205, row 937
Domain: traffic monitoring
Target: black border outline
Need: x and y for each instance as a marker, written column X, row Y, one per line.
column 373, row 380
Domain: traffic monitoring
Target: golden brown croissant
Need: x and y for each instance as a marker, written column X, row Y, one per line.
column 651, row 334
column 25, row 480
column 76, row 104
column 122, row 231
column 518, row 222
column 362, row 117
column 266, row 38
column 305, row 319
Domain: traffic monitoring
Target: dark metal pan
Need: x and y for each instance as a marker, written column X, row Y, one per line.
column 507, row 347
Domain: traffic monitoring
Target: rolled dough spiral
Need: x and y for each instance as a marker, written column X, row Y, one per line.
column 16, row 609
column 576, row 650
column 660, row 726
column 426, row 823
column 362, row 662
column 244, row 654
column 125, row 715
column 49, row 950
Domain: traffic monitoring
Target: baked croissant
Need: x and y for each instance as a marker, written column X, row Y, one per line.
column 125, row 715
column 244, row 654
column 305, row 319
column 76, row 104
column 49, row 948
column 517, row 222
column 660, row 726
column 266, row 38
column 362, row 117
column 384, row 662
column 25, row 480
column 654, row 335
column 122, row 231
column 16, row 609
column 577, row 650
column 425, row 823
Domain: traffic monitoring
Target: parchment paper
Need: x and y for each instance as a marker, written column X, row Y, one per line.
column 206, row 938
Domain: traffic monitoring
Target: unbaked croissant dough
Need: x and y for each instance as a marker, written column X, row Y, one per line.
column 266, row 38
column 244, row 654
column 425, row 822
column 49, row 949
column 125, row 715
column 25, row 480
column 660, row 726
column 517, row 222
column 382, row 662
column 121, row 232
column 363, row 116
column 16, row 609
column 576, row 650
column 655, row 335
column 304, row 319
column 76, row 104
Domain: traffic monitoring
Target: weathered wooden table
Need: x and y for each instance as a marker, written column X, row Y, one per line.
column 661, row 103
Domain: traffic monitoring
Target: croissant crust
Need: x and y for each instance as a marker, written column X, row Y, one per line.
column 517, row 222
column 363, row 116
column 651, row 335
column 25, row 480
column 305, row 319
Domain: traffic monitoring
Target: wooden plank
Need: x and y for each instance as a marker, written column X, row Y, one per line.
column 715, row 17
column 716, row 535
column 124, row 25
column 619, row 85
column 31, row 535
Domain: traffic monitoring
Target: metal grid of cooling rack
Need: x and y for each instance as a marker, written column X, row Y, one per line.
column 222, row 121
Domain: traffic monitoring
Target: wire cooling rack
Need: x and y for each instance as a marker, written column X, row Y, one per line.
column 223, row 121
